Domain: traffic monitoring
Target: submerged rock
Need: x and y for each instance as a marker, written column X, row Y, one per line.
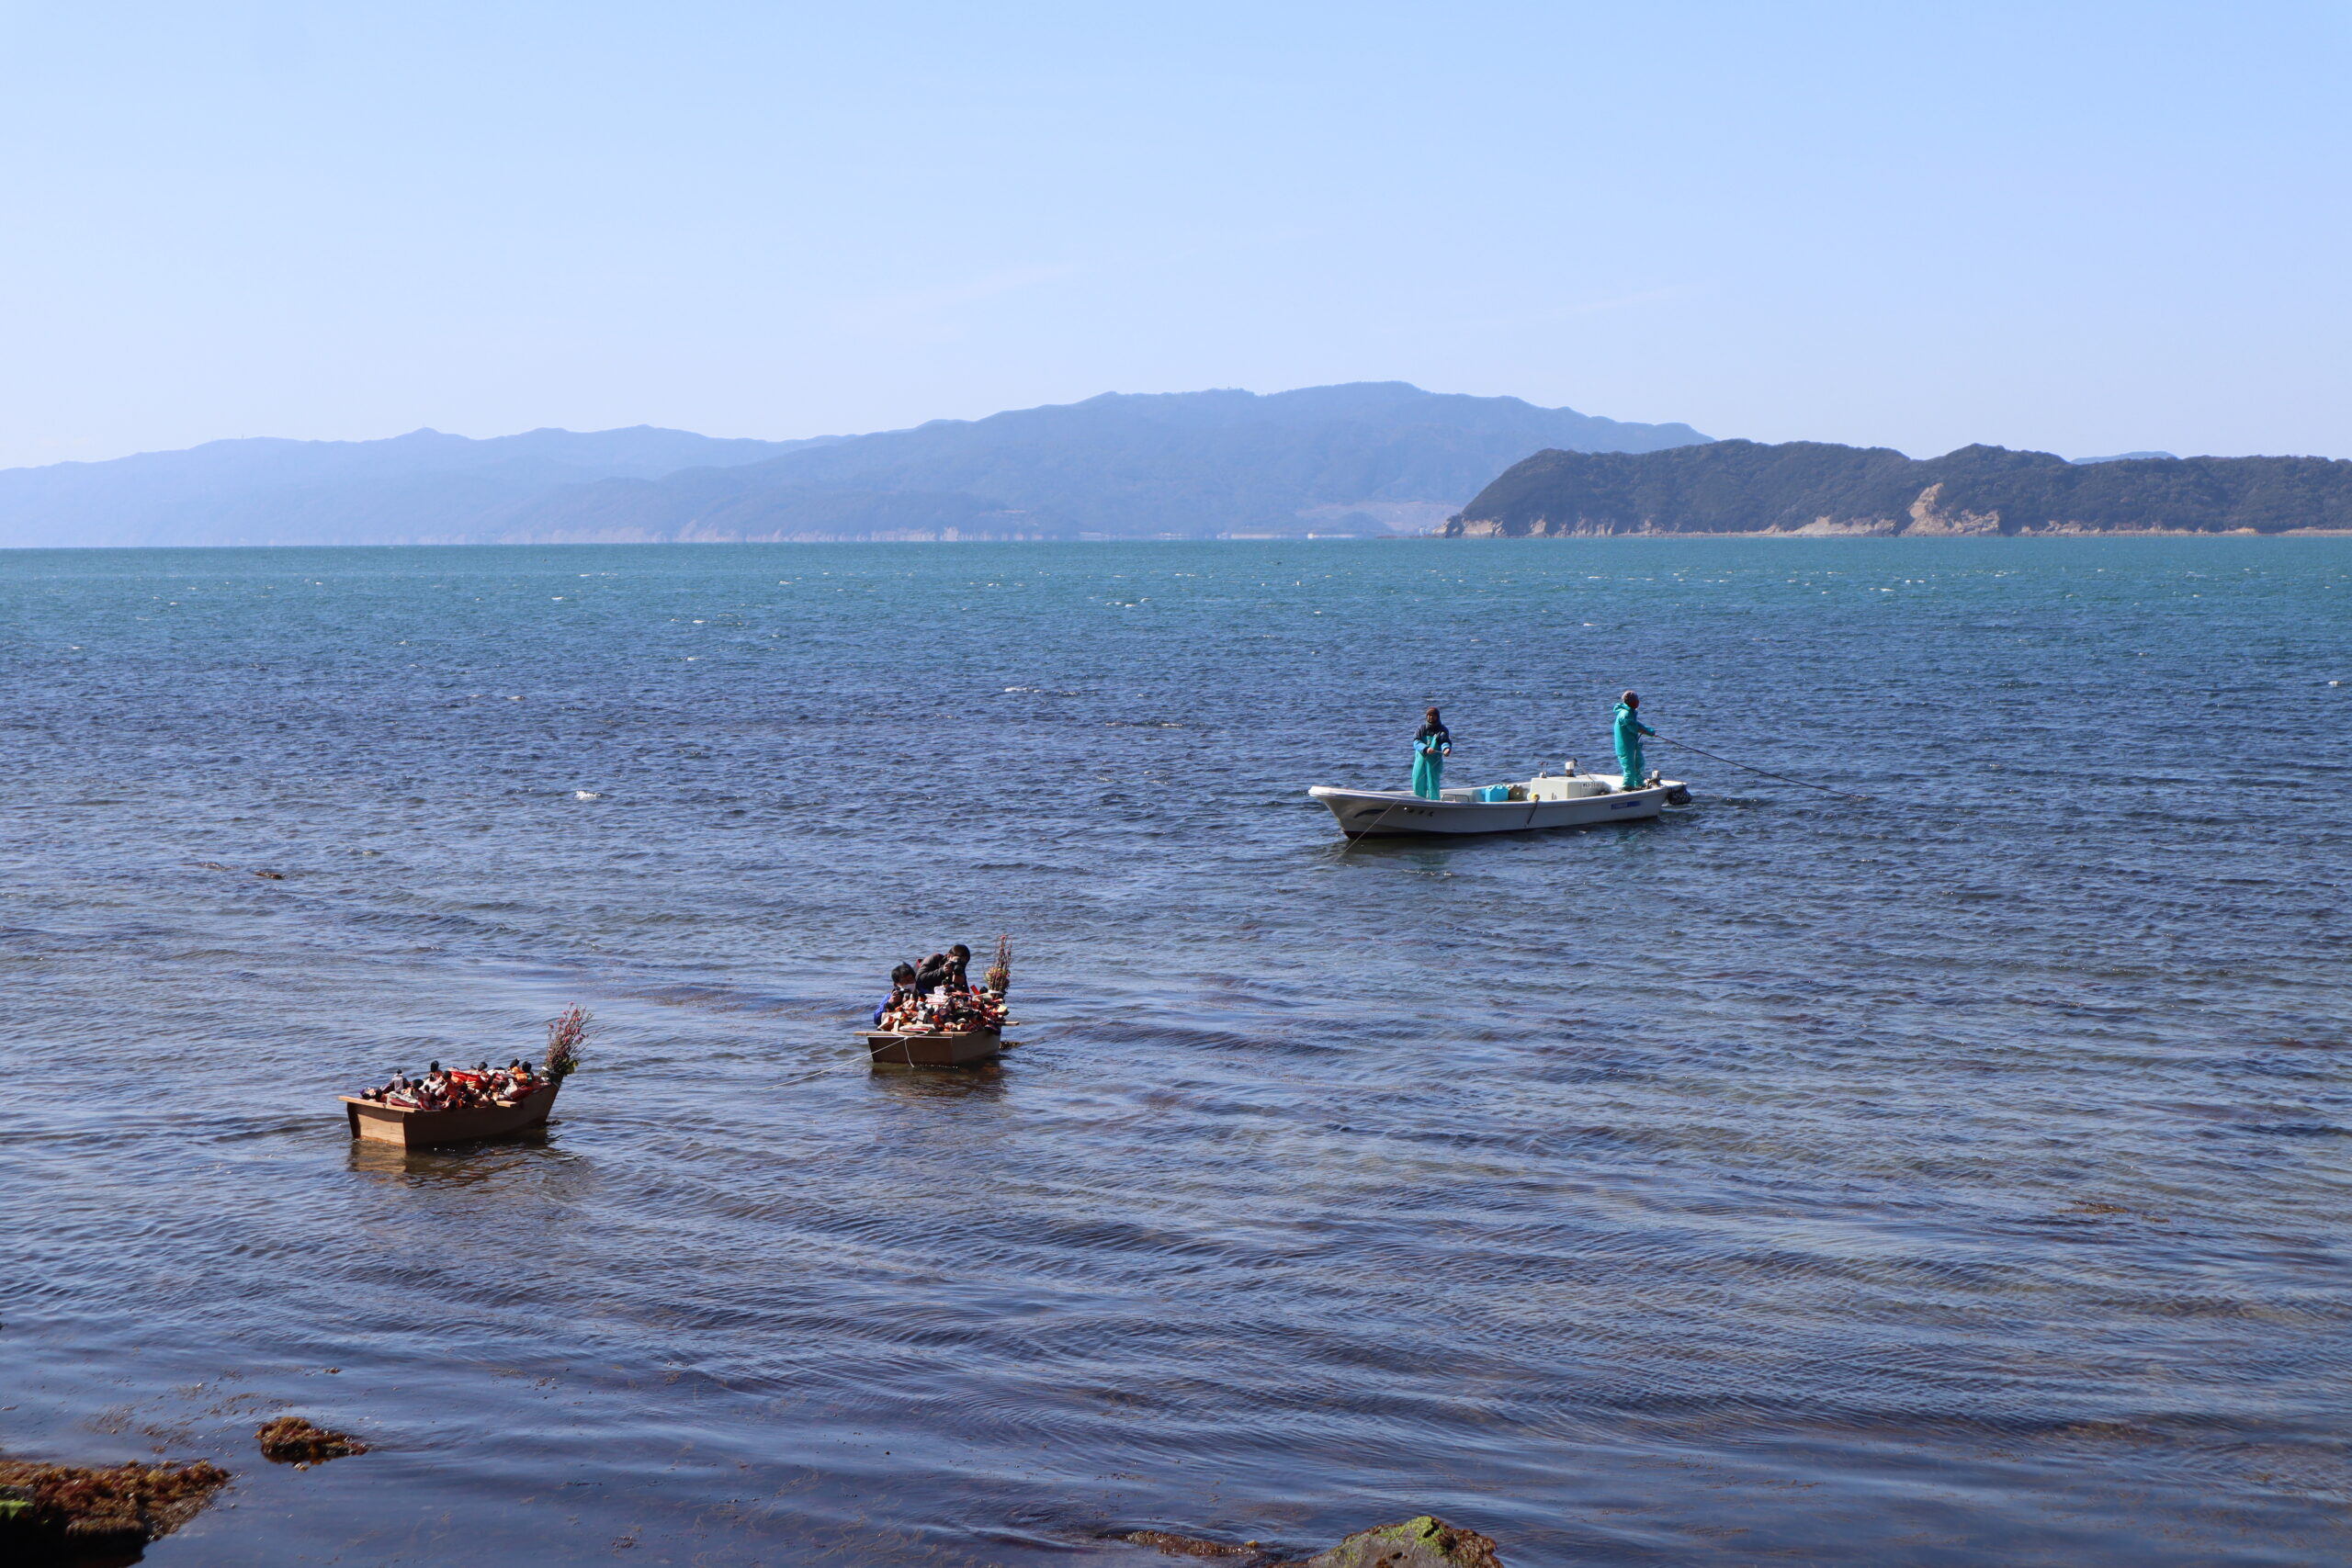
column 64, row 1513
column 1422, row 1542
column 289, row 1439
column 1191, row 1545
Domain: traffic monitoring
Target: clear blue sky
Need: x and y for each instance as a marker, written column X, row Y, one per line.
column 2085, row 228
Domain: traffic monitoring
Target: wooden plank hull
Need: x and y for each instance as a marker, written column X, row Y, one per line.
column 420, row 1129
column 934, row 1050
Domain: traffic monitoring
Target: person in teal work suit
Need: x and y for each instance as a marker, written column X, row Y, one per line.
column 1630, row 730
column 1431, row 747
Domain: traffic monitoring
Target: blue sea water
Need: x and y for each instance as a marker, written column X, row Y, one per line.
column 1954, row 1177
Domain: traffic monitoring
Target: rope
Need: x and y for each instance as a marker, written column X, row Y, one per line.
column 1367, row 833
column 1353, row 838
column 1785, row 778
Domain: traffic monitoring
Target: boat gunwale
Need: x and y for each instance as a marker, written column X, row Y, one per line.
column 870, row 1035
column 445, row 1110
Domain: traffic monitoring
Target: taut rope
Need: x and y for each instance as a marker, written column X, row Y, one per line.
column 1785, row 778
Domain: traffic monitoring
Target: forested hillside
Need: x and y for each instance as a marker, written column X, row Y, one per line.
column 1806, row 487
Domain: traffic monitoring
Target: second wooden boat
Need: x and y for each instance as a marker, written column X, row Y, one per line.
column 379, row 1123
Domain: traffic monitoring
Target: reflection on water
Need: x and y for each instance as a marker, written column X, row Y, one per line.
column 457, row 1163
column 1788, row 1180
column 972, row 1079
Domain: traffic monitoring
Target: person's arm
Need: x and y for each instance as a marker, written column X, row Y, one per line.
column 1644, row 728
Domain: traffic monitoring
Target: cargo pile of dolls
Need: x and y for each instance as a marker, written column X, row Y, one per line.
column 466, row 1088
column 944, row 1012
column 458, row 1089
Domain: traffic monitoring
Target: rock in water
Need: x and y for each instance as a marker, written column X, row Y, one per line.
column 1423, row 1542
column 289, row 1439
column 69, row 1514
column 1190, row 1545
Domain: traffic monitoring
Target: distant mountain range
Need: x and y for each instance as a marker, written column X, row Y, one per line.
column 1806, row 487
column 422, row 486
column 1369, row 458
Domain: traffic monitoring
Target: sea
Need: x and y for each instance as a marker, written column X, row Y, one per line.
column 1931, row 1147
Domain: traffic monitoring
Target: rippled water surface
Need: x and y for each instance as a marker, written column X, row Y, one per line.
column 1959, row 1179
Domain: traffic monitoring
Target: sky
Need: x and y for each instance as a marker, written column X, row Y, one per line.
column 2084, row 228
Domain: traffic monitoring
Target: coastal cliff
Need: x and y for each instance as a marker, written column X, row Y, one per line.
column 1817, row 488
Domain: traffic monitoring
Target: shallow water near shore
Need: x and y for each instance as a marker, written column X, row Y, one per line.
column 1957, row 1179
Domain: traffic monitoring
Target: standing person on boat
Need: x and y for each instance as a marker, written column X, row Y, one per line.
column 1431, row 747
column 1630, row 730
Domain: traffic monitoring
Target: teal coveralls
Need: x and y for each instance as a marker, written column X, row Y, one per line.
column 1429, row 762
column 1630, row 732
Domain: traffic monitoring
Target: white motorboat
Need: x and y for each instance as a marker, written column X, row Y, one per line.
column 1554, row 800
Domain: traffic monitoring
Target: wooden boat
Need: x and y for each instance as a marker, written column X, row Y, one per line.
column 1546, row 801
column 934, row 1050
column 419, row 1129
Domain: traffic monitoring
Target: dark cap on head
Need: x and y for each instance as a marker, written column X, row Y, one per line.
column 1633, row 699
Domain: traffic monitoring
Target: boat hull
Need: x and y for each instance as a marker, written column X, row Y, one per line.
column 934, row 1050
column 1380, row 814
column 374, row 1123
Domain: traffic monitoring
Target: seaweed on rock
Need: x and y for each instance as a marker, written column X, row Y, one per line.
column 290, row 1440
column 64, row 1513
column 1423, row 1541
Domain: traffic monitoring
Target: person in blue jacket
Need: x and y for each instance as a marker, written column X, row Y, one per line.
column 1630, row 730
column 1431, row 747
column 902, row 989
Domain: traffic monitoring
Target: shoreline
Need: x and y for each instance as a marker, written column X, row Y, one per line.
column 1812, row 532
